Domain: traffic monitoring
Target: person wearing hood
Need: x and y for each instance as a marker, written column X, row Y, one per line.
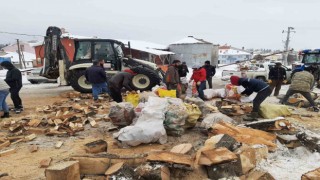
column 14, row 80
column 253, row 85
column 199, row 76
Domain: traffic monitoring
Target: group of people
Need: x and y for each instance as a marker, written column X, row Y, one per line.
column 175, row 77
column 302, row 82
column 11, row 84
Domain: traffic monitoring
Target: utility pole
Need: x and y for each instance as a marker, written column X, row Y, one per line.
column 286, row 46
column 19, row 53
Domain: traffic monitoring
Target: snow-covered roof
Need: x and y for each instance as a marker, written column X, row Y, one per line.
column 72, row 36
column 29, row 57
column 149, row 47
column 191, row 40
column 232, row 52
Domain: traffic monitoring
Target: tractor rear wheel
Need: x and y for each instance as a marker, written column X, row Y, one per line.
column 79, row 83
column 145, row 79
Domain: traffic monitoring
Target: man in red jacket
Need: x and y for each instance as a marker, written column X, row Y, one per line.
column 200, row 77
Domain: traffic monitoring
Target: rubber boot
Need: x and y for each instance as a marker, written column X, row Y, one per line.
column 253, row 116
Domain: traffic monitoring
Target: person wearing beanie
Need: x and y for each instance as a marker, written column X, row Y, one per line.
column 211, row 71
column 172, row 78
column 199, row 76
column 14, row 80
column 277, row 76
column 253, row 85
column 302, row 82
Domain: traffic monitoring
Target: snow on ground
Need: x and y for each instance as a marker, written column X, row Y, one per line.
column 290, row 163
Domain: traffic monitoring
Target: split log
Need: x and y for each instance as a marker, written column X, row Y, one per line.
column 310, row 140
column 30, row 137
column 114, row 168
column 36, row 130
column 5, row 144
column 247, row 159
column 259, row 175
column 96, row 146
column 182, row 148
column 270, row 125
column 171, row 158
column 219, row 155
column 311, row 175
column 7, row 152
column 224, row 140
column 34, row 122
column 245, row 135
column 148, row 171
column 98, row 164
column 63, row 171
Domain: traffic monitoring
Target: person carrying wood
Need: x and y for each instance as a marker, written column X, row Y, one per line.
column 253, row 85
column 277, row 76
column 302, row 82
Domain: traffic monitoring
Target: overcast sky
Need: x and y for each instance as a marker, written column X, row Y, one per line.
column 240, row 23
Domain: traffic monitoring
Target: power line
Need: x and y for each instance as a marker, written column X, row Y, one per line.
column 21, row 34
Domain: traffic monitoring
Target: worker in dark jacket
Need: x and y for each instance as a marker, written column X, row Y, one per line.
column 253, row 85
column 277, row 76
column 14, row 80
column 118, row 81
column 97, row 76
column 211, row 71
column 172, row 78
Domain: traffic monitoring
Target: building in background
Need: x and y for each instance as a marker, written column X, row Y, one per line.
column 194, row 51
column 229, row 54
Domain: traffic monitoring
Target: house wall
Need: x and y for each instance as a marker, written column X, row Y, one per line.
column 194, row 53
column 230, row 58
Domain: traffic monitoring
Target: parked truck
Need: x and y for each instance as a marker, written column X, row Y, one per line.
column 255, row 71
column 71, row 71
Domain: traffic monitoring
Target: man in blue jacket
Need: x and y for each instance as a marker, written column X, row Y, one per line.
column 253, row 85
column 97, row 76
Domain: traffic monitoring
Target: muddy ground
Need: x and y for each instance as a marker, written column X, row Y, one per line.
column 25, row 165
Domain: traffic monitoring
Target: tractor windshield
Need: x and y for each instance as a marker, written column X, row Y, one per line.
column 311, row 58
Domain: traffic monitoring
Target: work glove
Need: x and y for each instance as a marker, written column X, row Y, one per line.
column 285, row 81
column 269, row 81
column 198, row 83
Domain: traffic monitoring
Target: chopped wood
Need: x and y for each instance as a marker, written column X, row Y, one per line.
column 219, row 155
column 228, row 170
column 30, row 137
column 16, row 142
column 311, row 175
column 33, row 148
column 310, row 140
column 57, row 122
column 37, row 130
column 7, row 152
column 45, row 162
column 58, row 144
column 247, row 157
column 98, row 164
column 93, row 123
column 271, row 125
column 182, row 148
column 152, row 171
column 34, row 122
column 114, row 168
column 68, row 170
column 259, row 175
column 14, row 138
column 5, row 144
column 15, row 127
column 96, row 146
column 77, row 107
column 171, row 158
column 245, row 135
column 291, row 141
column 224, row 140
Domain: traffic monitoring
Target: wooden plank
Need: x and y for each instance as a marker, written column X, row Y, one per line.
column 311, row 175
column 114, row 168
column 182, row 148
column 37, row 130
column 219, row 155
column 30, row 137
column 44, row 163
column 7, row 152
column 5, row 144
column 96, row 146
column 68, row 170
column 34, row 122
column 169, row 157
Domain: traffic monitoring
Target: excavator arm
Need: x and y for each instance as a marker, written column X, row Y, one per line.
column 53, row 52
